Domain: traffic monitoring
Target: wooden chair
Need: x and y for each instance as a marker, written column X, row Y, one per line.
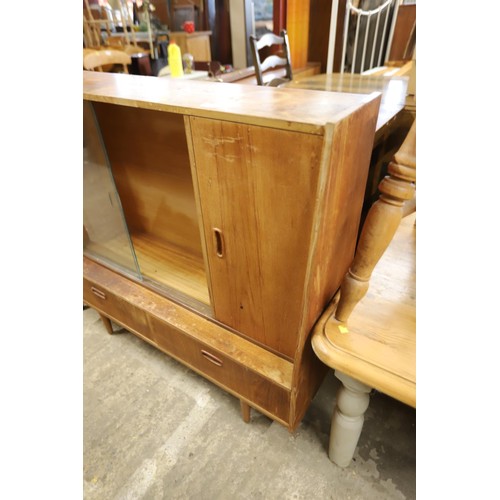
column 262, row 63
column 106, row 60
column 86, row 52
column 369, row 338
column 115, row 42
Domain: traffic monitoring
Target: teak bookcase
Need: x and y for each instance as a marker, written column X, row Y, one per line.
column 219, row 221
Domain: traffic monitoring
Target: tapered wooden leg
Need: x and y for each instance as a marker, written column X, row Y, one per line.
column 245, row 411
column 107, row 323
column 347, row 421
column 86, row 237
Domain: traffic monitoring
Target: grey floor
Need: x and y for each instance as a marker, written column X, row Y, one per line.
column 153, row 429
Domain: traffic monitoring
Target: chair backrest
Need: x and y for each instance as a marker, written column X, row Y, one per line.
column 101, row 58
column 116, row 42
column 368, row 33
column 263, row 63
column 86, row 52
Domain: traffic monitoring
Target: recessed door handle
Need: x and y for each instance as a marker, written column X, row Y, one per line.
column 219, row 242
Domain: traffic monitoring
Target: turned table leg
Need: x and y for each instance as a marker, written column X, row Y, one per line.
column 347, row 421
column 245, row 411
column 107, row 323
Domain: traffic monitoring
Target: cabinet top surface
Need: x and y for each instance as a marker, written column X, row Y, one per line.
column 291, row 109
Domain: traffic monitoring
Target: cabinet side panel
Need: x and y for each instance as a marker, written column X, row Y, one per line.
column 351, row 148
column 346, row 160
column 257, row 189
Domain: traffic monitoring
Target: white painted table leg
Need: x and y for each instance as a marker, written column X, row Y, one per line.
column 347, row 421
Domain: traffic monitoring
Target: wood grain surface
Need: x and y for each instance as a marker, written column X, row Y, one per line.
column 393, row 89
column 261, row 199
column 289, row 109
column 378, row 345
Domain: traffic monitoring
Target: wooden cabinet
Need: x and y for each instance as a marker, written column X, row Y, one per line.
column 197, row 44
column 219, row 221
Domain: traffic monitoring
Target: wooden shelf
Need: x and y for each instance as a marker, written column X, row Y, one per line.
column 163, row 263
column 171, row 266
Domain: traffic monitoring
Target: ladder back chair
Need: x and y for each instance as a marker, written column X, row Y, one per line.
column 262, row 63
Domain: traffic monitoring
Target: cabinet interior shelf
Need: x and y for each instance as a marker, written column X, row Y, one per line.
column 162, row 263
column 171, row 266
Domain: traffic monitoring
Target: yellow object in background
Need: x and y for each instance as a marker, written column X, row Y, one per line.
column 175, row 60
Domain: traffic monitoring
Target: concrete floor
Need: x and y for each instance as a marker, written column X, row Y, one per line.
column 153, row 429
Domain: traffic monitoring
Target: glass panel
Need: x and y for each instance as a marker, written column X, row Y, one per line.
column 105, row 233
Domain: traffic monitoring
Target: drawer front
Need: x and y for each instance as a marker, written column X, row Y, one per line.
column 222, row 370
column 117, row 309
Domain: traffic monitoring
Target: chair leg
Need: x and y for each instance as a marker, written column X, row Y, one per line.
column 347, row 421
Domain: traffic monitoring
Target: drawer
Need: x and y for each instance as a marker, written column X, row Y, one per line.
column 232, row 376
column 238, row 366
column 116, row 308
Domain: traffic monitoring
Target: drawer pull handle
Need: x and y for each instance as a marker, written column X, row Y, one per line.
column 97, row 292
column 211, row 358
column 219, row 242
